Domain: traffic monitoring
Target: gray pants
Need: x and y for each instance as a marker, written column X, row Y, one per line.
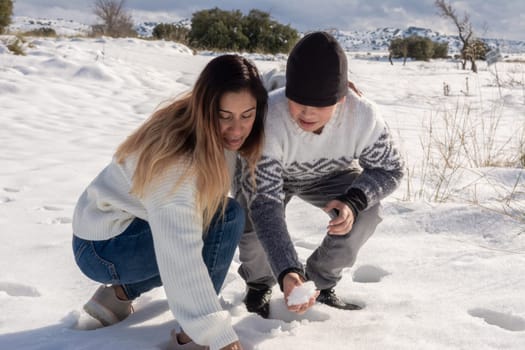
column 324, row 267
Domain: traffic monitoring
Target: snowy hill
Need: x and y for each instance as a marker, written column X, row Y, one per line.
column 379, row 39
column 145, row 29
column 61, row 26
column 374, row 40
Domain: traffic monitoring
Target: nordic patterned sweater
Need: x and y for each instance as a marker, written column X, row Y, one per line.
column 106, row 208
column 293, row 159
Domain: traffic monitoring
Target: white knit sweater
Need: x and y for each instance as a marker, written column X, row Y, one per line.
column 106, row 208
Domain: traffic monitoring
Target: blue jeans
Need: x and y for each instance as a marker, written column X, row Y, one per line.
column 129, row 258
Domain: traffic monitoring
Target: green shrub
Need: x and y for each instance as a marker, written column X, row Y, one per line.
column 44, row 31
column 174, row 32
column 6, row 11
column 477, row 49
column 230, row 30
column 267, row 35
column 398, row 47
column 418, row 48
column 16, row 46
column 421, row 49
column 440, row 50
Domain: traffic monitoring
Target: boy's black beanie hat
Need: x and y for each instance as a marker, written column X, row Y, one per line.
column 316, row 71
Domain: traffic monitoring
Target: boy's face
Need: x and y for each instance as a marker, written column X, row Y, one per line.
column 311, row 119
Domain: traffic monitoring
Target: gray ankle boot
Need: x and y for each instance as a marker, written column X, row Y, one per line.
column 106, row 307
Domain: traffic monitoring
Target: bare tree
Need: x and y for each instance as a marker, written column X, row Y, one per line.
column 465, row 32
column 116, row 20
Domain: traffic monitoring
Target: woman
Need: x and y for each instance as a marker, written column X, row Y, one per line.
column 159, row 213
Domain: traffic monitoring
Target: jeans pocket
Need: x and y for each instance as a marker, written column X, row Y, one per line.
column 91, row 264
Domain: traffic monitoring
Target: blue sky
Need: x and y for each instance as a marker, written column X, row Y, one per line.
column 495, row 19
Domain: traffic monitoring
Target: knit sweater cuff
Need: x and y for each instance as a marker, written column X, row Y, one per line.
column 300, row 272
column 227, row 337
column 355, row 199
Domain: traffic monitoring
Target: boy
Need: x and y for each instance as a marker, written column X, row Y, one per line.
column 316, row 130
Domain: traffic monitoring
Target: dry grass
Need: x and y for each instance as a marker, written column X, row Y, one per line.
column 457, row 145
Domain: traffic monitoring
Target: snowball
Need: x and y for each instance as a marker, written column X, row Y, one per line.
column 301, row 294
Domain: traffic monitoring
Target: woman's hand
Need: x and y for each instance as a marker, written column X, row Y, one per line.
column 290, row 281
column 233, row 346
column 182, row 338
column 343, row 222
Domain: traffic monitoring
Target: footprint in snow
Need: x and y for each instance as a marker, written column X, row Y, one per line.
column 51, row 208
column 11, row 189
column 500, row 319
column 4, row 199
column 369, row 274
column 306, row 244
column 55, row 221
column 80, row 321
column 18, row 290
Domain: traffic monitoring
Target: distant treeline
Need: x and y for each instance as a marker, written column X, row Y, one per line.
column 423, row 49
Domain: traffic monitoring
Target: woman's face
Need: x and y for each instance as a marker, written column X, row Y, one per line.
column 237, row 112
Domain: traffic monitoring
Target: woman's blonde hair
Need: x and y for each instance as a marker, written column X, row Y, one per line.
column 188, row 130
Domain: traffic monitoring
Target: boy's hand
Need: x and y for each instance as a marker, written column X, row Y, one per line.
column 290, row 281
column 343, row 222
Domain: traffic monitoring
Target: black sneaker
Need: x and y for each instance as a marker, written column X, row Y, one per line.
column 258, row 301
column 328, row 297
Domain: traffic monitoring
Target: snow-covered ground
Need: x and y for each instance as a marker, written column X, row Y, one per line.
column 61, row 26
column 434, row 276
